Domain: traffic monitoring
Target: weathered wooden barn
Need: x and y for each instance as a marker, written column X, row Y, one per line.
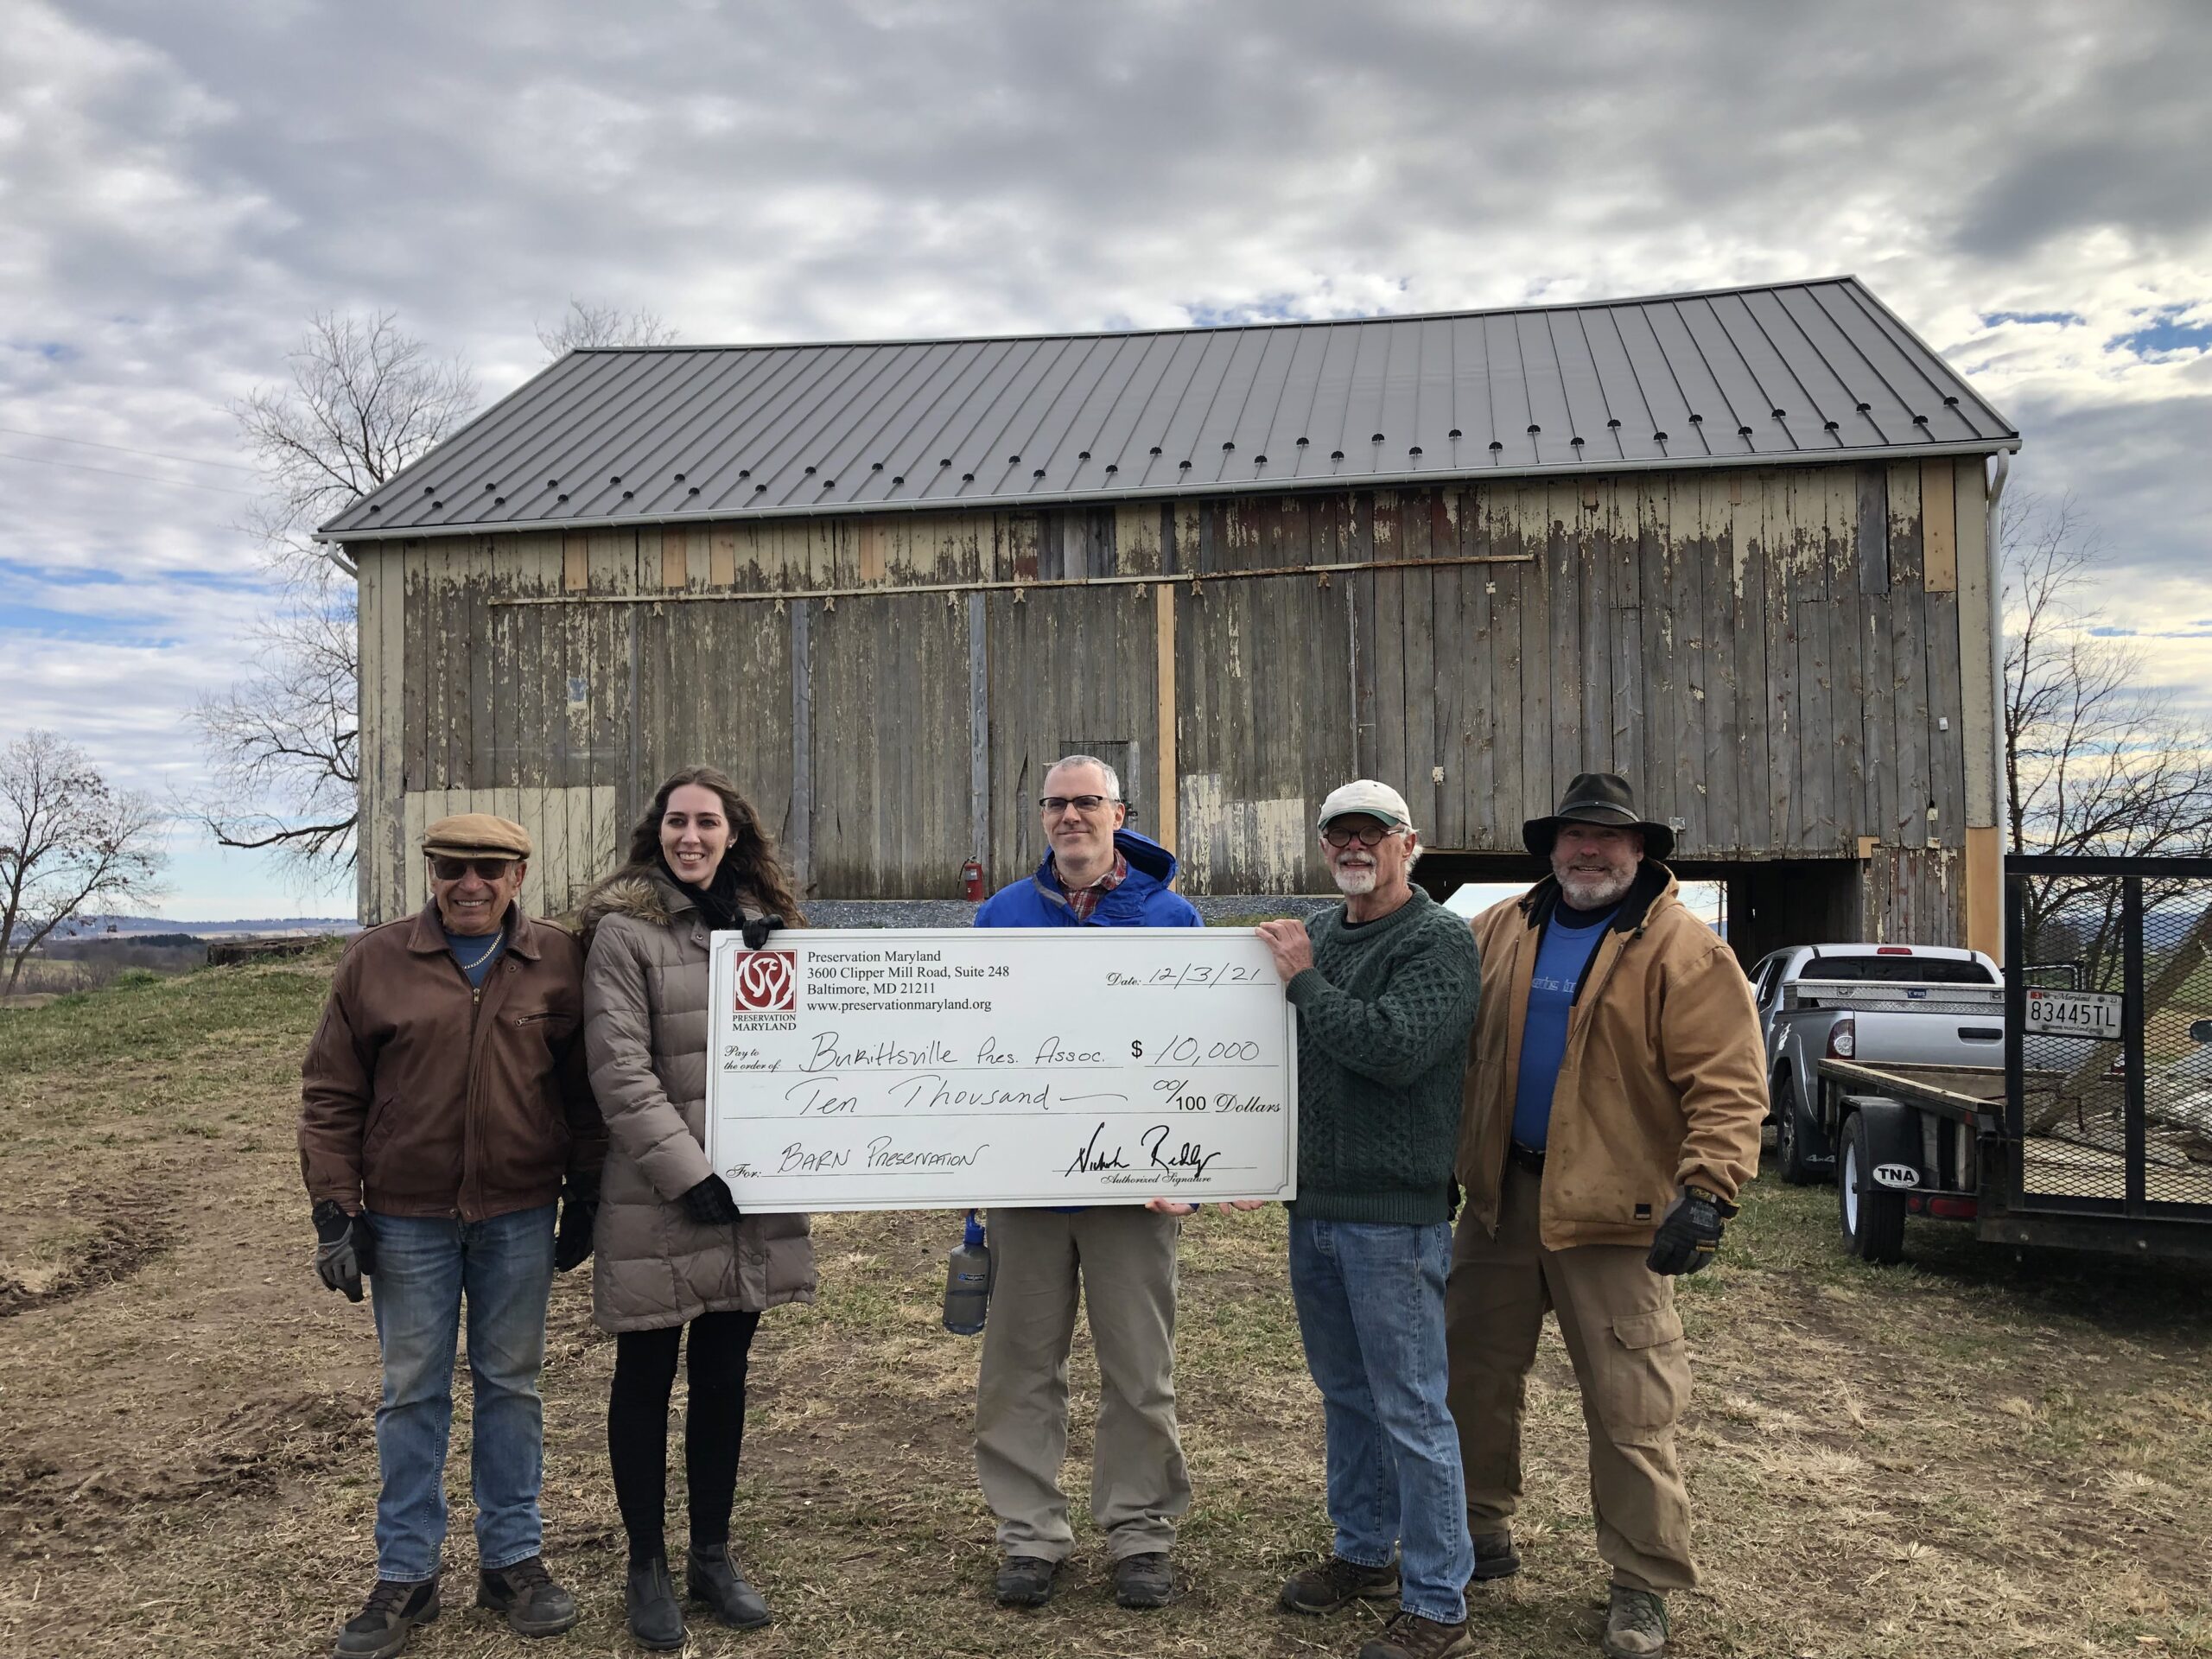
column 1731, row 545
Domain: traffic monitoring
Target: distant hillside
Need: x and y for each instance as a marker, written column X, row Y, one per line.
column 86, row 927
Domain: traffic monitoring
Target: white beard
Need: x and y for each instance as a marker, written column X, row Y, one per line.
column 1588, row 890
column 1354, row 883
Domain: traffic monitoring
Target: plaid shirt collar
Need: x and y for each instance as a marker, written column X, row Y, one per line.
column 1084, row 901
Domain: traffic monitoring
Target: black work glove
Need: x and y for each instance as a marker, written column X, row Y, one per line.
column 1689, row 1233
column 344, row 1248
column 579, row 1214
column 756, row 929
column 710, row 1205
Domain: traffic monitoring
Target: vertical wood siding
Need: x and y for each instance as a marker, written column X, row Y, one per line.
column 1763, row 652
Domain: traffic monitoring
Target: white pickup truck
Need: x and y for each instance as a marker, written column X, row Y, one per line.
column 1876, row 1004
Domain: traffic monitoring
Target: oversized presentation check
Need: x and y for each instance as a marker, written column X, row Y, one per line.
column 894, row 1069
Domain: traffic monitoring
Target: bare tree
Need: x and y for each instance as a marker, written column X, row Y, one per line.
column 2097, row 762
column 363, row 401
column 586, row 323
column 66, row 841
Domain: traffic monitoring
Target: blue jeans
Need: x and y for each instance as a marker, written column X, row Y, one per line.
column 424, row 1266
column 1370, row 1308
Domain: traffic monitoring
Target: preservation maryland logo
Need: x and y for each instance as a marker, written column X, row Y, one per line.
column 768, row 982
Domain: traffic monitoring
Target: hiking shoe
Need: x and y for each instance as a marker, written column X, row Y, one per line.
column 711, row 1575
column 1636, row 1624
column 1337, row 1583
column 1495, row 1556
column 1026, row 1582
column 381, row 1629
column 649, row 1596
column 525, row 1592
column 1143, row 1580
column 1408, row 1635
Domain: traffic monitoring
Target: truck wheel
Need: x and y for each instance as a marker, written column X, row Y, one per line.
column 1797, row 1143
column 1873, row 1217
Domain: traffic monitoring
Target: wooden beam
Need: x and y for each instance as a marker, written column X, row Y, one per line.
column 979, row 732
column 576, row 565
column 1985, row 892
column 1939, row 526
column 1164, row 812
column 802, row 830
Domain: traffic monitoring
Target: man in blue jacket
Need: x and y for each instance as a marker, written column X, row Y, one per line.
column 1096, row 873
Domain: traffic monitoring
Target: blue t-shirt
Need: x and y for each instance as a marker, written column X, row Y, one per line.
column 474, row 953
column 1568, row 943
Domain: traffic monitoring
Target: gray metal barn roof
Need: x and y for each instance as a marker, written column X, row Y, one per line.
column 1790, row 371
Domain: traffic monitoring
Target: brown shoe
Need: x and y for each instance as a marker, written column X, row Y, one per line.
column 1408, row 1635
column 1495, row 1556
column 1636, row 1624
column 1337, row 1583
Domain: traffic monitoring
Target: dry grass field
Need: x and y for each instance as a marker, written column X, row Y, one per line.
column 1984, row 1452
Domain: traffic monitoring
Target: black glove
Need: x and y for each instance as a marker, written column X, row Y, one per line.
column 579, row 1214
column 344, row 1248
column 1689, row 1233
column 709, row 1202
column 756, row 929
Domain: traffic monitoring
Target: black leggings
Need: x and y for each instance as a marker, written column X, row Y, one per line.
column 713, row 1426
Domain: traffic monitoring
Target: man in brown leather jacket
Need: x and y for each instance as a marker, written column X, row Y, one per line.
column 444, row 1109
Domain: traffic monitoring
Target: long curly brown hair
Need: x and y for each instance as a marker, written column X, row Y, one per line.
column 750, row 849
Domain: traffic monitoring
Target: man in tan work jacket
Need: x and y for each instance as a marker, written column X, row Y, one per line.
column 1613, row 1102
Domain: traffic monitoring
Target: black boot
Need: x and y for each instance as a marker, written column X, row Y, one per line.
column 525, row 1592
column 711, row 1576
column 381, row 1629
column 656, row 1616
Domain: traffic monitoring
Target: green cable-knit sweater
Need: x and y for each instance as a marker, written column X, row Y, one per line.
column 1382, row 1021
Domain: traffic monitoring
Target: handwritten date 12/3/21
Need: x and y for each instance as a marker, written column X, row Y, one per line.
column 1197, row 976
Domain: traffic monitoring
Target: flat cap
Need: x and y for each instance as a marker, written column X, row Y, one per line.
column 1378, row 801
column 470, row 834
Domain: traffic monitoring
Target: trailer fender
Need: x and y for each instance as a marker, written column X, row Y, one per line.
column 1893, row 1144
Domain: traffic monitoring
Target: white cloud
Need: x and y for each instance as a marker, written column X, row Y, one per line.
column 183, row 185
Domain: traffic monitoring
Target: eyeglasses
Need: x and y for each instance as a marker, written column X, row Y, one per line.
column 488, row 869
column 1053, row 806
column 1338, row 836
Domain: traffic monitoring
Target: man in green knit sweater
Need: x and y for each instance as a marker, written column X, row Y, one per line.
column 1385, row 990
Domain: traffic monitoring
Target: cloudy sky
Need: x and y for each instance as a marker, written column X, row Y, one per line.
column 182, row 184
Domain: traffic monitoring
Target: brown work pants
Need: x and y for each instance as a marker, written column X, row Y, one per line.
column 1625, row 1340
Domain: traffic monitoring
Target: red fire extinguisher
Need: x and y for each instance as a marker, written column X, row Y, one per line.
column 971, row 881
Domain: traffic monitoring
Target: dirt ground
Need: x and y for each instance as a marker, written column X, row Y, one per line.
column 1985, row 1452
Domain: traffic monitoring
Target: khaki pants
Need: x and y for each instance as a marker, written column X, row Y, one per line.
column 1124, row 1258
column 1625, row 1340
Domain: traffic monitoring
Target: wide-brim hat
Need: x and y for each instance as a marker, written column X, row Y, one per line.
column 477, row 835
column 1600, row 797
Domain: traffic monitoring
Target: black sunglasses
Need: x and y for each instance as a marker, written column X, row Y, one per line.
column 488, row 869
column 1338, row 837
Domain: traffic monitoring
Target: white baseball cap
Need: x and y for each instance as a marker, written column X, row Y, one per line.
column 1365, row 795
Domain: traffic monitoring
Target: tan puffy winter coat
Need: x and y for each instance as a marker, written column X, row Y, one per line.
column 1663, row 1081
column 645, row 1039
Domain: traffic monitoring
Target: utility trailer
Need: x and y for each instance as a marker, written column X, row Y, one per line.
column 2096, row 1131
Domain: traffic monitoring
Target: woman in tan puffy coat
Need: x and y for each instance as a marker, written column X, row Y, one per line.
column 672, row 1248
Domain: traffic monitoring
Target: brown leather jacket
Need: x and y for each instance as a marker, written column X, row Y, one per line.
column 423, row 1096
column 1663, row 1081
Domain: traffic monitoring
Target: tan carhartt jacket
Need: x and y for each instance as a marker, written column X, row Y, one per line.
column 1662, row 1082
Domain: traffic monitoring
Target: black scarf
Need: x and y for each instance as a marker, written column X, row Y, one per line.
column 720, row 901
